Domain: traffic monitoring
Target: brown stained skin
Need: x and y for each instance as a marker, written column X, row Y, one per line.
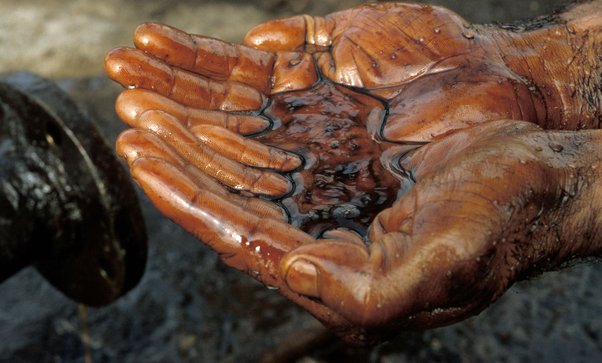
column 295, row 155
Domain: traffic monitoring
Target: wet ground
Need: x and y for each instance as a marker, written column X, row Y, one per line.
column 191, row 308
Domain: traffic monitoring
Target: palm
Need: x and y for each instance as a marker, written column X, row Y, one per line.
column 323, row 150
column 435, row 71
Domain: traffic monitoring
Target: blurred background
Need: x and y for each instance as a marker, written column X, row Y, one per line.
column 191, row 308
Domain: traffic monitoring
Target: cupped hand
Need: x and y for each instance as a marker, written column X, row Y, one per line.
column 422, row 60
column 491, row 204
column 304, row 127
column 436, row 71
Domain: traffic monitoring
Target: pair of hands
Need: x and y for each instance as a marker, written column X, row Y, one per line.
column 295, row 156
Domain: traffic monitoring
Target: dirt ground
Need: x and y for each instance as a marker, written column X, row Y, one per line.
column 191, row 308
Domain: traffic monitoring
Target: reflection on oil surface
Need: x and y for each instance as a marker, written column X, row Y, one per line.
column 343, row 183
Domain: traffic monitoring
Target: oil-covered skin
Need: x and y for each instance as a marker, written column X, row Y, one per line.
column 264, row 150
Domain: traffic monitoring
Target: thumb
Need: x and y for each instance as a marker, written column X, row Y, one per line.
column 344, row 275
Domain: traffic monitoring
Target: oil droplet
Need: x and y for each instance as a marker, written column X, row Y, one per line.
column 556, row 147
column 421, row 39
column 570, row 60
column 104, row 274
column 469, row 33
column 346, row 211
column 437, row 311
column 272, row 287
column 571, row 30
column 131, row 86
column 437, row 30
column 565, row 199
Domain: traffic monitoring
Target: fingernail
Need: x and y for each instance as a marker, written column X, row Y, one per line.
column 253, row 125
column 273, row 185
column 302, row 277
column 292, row 162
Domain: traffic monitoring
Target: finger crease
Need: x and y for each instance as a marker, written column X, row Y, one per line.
column 172, row 81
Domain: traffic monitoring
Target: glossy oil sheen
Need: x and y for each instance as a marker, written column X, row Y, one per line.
column 342, row 182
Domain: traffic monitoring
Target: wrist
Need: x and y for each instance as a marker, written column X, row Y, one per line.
column 564, row 221
column 558, row 58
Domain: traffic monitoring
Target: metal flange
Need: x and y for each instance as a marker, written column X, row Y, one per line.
column 66, row 204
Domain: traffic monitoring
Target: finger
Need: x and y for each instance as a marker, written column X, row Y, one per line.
column 341, row 275
column 218, row 60
column 244, row 240
column 229, row 172
column 291, row 34
column 207, row 56
column 134, row 144
column 134, row 69
column 293, row 71
column 245, row 151
column 132, row 103
column 369, row 286
column 343, row 234
column 453, row 150
column 434, row 114
column 343, row 71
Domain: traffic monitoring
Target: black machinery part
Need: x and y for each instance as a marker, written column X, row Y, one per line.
column 66, row 204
